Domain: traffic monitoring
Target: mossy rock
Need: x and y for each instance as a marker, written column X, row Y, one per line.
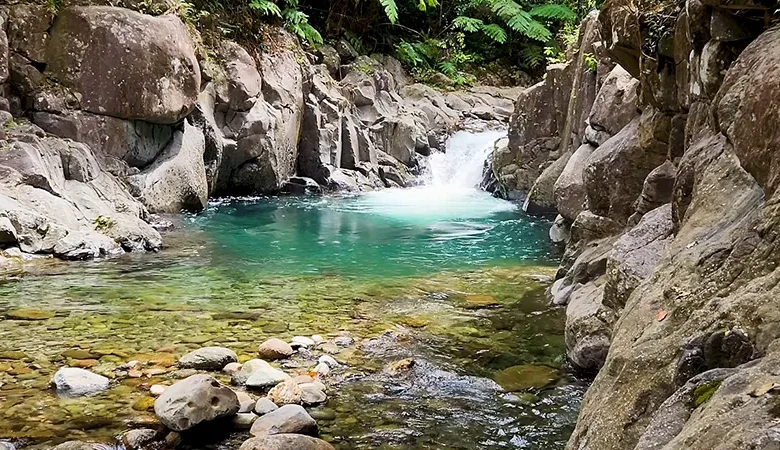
column 527, row 376
column 145, row 403
column 29, row 314
column 13, row 355
column 79, row 354
column 478, row 301
column 702, row 394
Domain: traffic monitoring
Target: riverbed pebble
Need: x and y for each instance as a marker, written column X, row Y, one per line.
column 75, row 382
column 285, row 393
column 232, row 368
column 329, row 360
column 140, row 438
column 317, row 339
column 312, row 394
column 287, row 419
column 264, row 406
column 274, row 348
column 208, row 358
column 322, row 369
column 157, row 389
column 244, row 420
column 245, row 401
column 301, row 341
column 264, row 375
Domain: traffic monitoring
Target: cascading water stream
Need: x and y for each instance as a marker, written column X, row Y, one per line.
column 449, row 191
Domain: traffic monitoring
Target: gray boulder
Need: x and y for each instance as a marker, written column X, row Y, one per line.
column 616, row 103
column 285, row 442
column 588, row 327
column 7, row 232
column 569, row 188
column 275, row 349
column 208, row 358
column 195, row 400
column 287, row 419
column 177, row 179
column 27, row 30
column 75, row 382
column 264, row 374
column 140, row 438
column 264, row 406
column 125, row 64
column 243, row 83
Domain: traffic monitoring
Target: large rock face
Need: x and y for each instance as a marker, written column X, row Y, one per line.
column 125, row 64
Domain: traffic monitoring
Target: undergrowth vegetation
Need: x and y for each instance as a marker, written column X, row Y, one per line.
column 454, row 38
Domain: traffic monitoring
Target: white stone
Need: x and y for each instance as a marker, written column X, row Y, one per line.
column 75, row 382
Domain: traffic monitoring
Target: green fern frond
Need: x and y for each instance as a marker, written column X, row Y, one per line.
column 553, row 11
column 294, row 17
column 532, row 56
column 265, row 8
column 391, row 10
column 495, row 32
column 469, row 24
column 448, row 68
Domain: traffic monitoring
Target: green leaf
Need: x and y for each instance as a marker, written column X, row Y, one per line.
column 469, row 24
column 553, row 11
column 495, row 32
column 391, row 10
column 448, row 68
column 265, row 8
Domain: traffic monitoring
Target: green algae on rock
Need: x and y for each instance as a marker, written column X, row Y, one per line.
column 529, row 376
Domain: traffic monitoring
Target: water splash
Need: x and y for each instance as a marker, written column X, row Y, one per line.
column 450, row 188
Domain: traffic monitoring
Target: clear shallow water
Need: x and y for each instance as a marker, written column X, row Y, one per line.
column 453, row 273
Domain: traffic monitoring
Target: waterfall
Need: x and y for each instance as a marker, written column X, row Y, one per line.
column 462, row 163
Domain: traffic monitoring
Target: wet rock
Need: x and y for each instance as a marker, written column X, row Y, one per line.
column 287, row 419
column 173, row 439
column 588, row 327
column 28, row 314
column 263, row 375
column 529, row 376
column 317, row 339
column 329, row 360
column 255, row 366
column 569, row 188
column 559, row 230
column 140, row 438
column 285, row 442
column 245, row 401
column 232, row 368
column 244, row 421
column 75, row 382
column 323, row 414
column 274, row 349
column 194, row 400
column 302, row 341
column 265, row 406
column 208, row 358
column 312, row 394
column 285, row 393
column 74, row 445
column 322, row 369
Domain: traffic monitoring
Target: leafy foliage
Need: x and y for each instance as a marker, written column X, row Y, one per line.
column 266, row 8
column 391, row 10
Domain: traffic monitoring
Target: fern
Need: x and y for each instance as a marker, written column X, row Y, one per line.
column 391, row 10
column 265, row 8
column 469, row 24
column 448, row 68
column 408, row 53
column 495, row 32
column 521, row 21
column 423, row 5
column 553, row 11
column 298, row 23
column 532, row 56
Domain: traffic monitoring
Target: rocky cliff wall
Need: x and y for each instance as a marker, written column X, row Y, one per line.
column 109, row 115
column 668, row 210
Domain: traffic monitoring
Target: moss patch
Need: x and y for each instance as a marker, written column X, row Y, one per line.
column 702, row 394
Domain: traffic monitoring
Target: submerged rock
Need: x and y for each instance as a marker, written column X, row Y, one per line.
column 208, row 358
column 75, row 382
column 528, row 376
column 194, row 400
column 287, row 419
column 140, row 438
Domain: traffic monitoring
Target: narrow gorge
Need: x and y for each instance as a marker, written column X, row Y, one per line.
column 256, row 240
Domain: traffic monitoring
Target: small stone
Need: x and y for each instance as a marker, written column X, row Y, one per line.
column 75, row 382
column 329, row 360
column 13, row 355
column 135, row 373
column 244, row 420
column 311, row 394
column 173, row 439
column 323, row 414
column 138, row 439
column 285, row 393
column 317, row 339
column 285, row 442
column 245, row 401
column 329, row 347
column 322, row 369
column 274, row 348
column 302, row 379
column 477, row 301
column 128, row 365
column 144, row 404
column 232, row 368
column 264, row 406
column 401, row 366
column 208, row 358
column 264, row 376
column 157, row 389
column 301, row 341
column 528, row 376
column 78, row 354
column 287, row 419
column 85, row 363
column 344, row 341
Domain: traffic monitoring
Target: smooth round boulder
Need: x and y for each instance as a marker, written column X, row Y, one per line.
column 286, row 393
column 287, row 419
column 246, row 403
column 208, row 358
column 285, row 442
column 75, row 382
column 139, row 438
column 265, row 406
column 266, row 375
column 274, row 348
column 301, row 341
column 195, row 400
column 312, row 394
